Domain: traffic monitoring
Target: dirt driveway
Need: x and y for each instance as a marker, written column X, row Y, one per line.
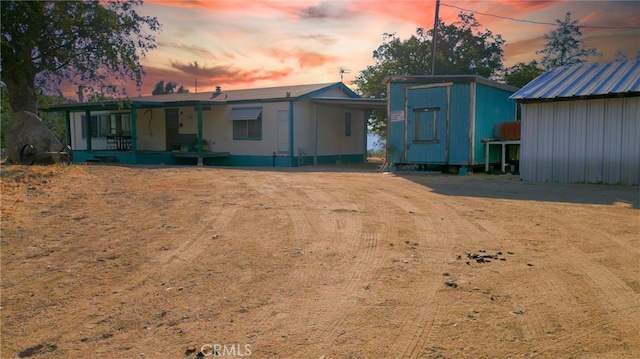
column 315, row 262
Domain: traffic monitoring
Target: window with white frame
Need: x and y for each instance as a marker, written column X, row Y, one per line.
column 426, row 125
column 247, row 123
column 103, row 125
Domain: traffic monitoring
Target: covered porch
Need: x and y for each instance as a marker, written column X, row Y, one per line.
column 109, row 132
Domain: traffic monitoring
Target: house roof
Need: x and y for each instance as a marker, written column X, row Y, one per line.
column 280, row 93
column 353, row 103
column 585, row 80
column 257, row 94
column 449, row 78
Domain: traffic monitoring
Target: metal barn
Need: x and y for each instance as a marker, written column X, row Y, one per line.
column 581, row 124
column 443, row 120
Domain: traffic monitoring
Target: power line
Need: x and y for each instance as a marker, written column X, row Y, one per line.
column 541, row 22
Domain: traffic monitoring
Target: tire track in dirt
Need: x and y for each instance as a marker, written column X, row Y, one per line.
column 577, row 277
column 436, row 238
column 596, row 282
column 332, row 313
column 330, row 310
column 315, row 216
column 213, row 220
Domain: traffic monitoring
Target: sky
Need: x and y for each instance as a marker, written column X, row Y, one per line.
column 248, row 44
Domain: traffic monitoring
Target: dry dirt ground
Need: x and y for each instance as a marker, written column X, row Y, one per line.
column 315, row 262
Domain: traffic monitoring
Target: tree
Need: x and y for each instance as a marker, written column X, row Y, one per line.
column 462, row 48
column 170, row 87
column 521, row 74
column 91, row 43
column 563, row 48
column 622, row 56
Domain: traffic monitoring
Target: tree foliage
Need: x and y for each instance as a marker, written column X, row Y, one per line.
column 170, row 87
column 92, row 43
column 521, row 74
column 563, row 47
column 462, row 49
column 622, row 56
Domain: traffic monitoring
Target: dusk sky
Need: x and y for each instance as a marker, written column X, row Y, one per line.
column 242, row 44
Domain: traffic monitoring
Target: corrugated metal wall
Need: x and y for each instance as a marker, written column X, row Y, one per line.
column 592, row 141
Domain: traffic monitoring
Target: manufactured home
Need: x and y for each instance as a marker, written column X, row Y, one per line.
column 581, row 124
column 277, row 126
column 443, row 120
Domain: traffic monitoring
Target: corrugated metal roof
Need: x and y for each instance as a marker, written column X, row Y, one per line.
column 583, row 80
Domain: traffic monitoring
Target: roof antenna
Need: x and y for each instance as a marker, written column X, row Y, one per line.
column 342, row 72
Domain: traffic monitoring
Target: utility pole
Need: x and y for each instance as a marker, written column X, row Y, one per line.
column 435, row 39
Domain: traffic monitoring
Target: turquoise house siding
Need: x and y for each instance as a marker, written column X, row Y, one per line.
column 473, row 106
column 166, row 158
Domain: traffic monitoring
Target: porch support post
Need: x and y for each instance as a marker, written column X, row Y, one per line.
column 199, row 108
column 87, row 118
column 365, row 115
column 67, row 127
column 134, row 129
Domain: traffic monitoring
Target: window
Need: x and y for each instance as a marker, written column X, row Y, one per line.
column 426, row 125
column 107, row 125
column 99, row 125
column 120, row 124
column 347, row 124
column 247, row 129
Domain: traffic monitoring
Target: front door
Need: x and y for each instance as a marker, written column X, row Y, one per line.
column 426, row 126
column 172, row 126
column 283, row 132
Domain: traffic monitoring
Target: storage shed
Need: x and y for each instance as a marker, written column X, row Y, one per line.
column 581, row 124
column 442, row 120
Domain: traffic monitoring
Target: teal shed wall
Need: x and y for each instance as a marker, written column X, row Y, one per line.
column 459, row 128
column 492, row 106
column 474, row 108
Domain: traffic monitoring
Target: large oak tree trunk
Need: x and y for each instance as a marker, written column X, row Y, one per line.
column 20, row 84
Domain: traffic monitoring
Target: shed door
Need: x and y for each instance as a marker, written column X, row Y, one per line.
column 426, row 125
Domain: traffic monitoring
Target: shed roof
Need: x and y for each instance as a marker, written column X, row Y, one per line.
column 585, row 80
column 280, row 93
column 449, row 78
